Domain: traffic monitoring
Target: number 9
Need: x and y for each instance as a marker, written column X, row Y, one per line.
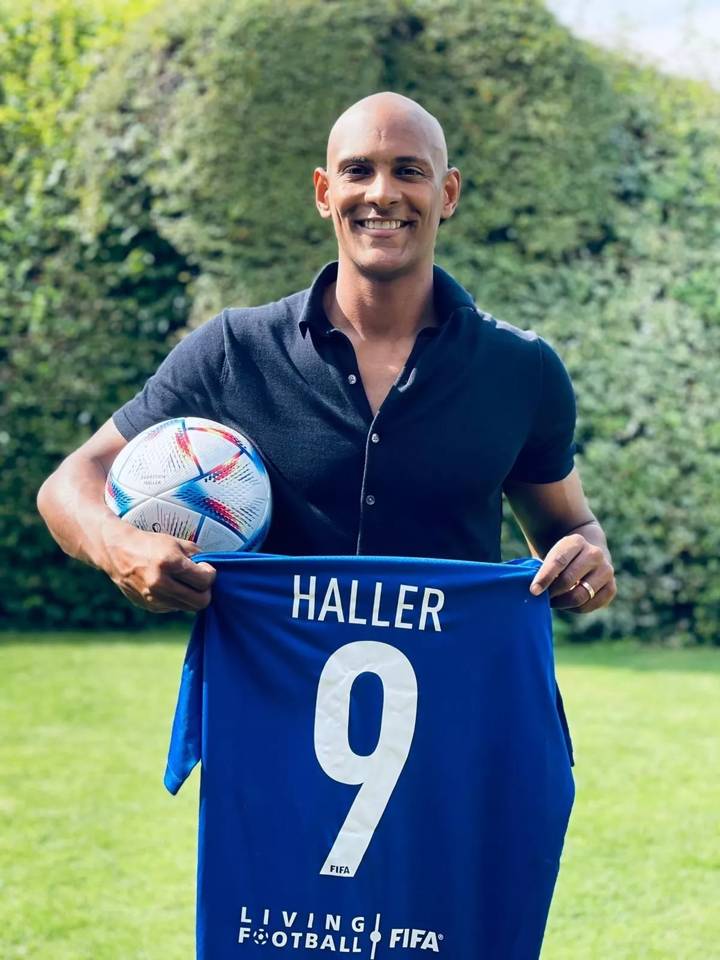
column 379, row 771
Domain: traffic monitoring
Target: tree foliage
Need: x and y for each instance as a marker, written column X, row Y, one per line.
column 176, row 180
column 82, row 319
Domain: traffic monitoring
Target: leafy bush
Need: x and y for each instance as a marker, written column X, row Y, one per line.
column 589, row 213
column 82, row 320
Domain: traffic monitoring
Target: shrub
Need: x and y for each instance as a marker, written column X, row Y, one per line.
column 589, row 213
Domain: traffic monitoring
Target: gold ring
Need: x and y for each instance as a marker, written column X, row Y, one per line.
column 584, row 583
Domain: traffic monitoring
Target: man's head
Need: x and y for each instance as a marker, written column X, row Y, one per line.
column 386, row 162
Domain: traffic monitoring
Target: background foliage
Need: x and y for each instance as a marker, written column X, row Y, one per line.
column 153, row 173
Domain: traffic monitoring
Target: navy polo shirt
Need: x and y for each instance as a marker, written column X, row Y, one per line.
column 478, row 403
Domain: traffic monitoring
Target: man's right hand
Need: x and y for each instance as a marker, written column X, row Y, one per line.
column 154, row 570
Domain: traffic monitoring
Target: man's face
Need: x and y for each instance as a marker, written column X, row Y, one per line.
column 386, row 189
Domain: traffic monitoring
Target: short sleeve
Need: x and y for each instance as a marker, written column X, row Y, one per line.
column 548, row 452
column 187, row 383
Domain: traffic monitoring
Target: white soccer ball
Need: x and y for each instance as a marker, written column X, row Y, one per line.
column 194, row 479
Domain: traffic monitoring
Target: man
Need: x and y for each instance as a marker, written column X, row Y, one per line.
column 391, row 413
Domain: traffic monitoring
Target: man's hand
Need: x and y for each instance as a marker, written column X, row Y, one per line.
column 154, row 570
column 560, row 527
column 578, row 574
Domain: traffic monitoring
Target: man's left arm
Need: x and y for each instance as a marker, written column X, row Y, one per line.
column 563, row 532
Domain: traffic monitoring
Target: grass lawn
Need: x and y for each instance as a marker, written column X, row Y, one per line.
column 97, row 861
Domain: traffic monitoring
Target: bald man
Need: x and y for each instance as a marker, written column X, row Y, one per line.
column 392, row 413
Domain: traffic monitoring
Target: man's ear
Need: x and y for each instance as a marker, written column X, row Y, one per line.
column 451, row 193
column 320, row 179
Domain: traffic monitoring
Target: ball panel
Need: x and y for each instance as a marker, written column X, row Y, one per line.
column 213, row 537
column 159, row 516
column 121, row 458
column 161, row 458
column 233, row 494
column 119, row 498
column 211, row 443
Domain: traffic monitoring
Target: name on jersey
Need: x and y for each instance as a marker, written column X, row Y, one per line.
column 405, row 606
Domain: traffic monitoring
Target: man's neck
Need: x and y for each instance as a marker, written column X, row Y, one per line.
column 370, row 309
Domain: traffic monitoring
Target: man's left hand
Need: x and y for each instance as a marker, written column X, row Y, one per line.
column 578, row 575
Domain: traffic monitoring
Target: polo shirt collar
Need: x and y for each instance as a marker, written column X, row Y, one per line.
column 449, row 295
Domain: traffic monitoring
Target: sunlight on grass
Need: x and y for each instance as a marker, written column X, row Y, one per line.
column 97, row 862
column 96, row 859
column 641, row 868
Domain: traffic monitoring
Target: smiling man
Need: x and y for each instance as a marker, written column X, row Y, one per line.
column 387, row 187
column 392, row 414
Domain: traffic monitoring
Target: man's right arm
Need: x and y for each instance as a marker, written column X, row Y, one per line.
column 153, row 570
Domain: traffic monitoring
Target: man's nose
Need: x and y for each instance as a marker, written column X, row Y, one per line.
column 382, row 189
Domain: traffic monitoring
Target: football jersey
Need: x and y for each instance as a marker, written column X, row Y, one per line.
column 386, row 768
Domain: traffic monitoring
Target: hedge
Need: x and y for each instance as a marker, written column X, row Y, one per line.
column 589, row 213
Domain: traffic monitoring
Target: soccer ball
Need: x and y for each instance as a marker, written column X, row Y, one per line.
column 194, row 479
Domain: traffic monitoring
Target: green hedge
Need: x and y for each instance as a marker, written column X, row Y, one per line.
column 589, row 213
column 82, row 319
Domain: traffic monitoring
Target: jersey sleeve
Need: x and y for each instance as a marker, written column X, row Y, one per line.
column 187, row 383
column 186, row 738
column 548, row 452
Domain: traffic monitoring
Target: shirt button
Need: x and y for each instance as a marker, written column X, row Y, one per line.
column 352, row 378
column 369, row 499
column 375, row 437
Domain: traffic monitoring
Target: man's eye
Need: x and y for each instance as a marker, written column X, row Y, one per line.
column 412, row 171
column 355, row 170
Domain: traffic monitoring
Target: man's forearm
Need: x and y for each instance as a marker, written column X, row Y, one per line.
column 72, row 504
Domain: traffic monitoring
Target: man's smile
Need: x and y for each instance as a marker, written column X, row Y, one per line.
column 381, row 227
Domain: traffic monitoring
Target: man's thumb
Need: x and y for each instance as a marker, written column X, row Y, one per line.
column 188, row 547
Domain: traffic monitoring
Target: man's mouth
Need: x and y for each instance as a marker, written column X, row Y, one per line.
column 376, row 224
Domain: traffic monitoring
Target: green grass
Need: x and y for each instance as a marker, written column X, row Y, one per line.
column 97, row 861
column 641, row 869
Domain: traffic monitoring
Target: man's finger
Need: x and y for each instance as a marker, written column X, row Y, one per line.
column 602, row 597
column 572, row 599
column 198, row 575
column 177, row 596
column 580, row 569
column 557, row 559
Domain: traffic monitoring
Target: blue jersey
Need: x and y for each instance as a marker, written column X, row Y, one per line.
column 386, row 770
